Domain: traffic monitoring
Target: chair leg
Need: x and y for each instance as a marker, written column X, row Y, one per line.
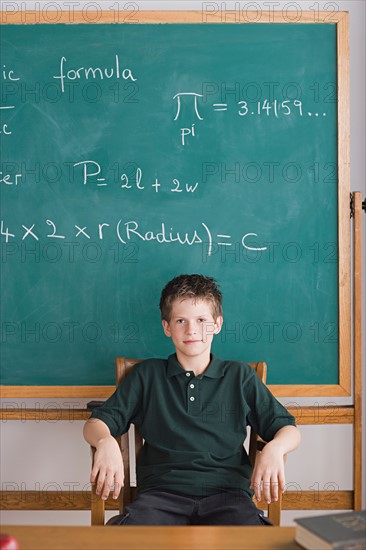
column 97, row 508
column 274, row 511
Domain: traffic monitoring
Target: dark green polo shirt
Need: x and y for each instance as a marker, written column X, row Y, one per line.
column 194, row 426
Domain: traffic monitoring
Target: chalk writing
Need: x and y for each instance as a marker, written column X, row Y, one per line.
column 93, row 73
column 93, row 173
column 133, row 231
column 9, row 179
column 265, row 108
column 187, row 94
column 4, row 127
column 8, row 74
column 4, row 130
column 271, row 107
column 5, row 232
column 92, row 169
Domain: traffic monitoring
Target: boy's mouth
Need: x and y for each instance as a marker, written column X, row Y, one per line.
column 192, row 341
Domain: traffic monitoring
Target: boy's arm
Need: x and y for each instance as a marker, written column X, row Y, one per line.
column 108, row 463
column 269, row 471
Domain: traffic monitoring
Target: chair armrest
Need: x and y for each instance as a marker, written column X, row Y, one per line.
column 97, row 504
column 274, row 508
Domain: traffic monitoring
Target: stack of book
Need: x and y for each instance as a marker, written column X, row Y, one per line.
column 346, row 531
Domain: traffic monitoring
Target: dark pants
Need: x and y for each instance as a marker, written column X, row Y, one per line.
column 167, row 508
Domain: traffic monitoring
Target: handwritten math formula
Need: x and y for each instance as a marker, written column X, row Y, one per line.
column 134, row 231
column 264, row 108
column 90, row 173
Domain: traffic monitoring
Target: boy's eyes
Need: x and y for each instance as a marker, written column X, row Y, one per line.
column 201, row 320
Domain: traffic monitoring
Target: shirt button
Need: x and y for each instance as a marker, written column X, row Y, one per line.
column 191, row 398
column 191, row 386
column 188, row 374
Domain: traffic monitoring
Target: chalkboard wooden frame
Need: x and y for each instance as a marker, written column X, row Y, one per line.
column 341, row 21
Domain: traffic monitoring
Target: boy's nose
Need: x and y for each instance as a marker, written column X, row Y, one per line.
column 191, row 328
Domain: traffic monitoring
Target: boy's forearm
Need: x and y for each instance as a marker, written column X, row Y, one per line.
column 288, row 438
column 95, row 430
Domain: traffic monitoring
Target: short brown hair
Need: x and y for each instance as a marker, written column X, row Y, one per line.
column 196, row 287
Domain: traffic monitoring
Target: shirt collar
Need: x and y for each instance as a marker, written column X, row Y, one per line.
column 214, row 369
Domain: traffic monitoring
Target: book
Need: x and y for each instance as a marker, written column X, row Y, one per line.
column 344, row 531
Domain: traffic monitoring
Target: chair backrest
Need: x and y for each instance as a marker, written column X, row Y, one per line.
column 131, row 445
column 123, row 368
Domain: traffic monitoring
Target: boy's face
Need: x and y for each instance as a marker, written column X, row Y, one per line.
column 192, row 328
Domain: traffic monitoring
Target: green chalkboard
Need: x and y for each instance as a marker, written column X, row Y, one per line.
column 133, row 153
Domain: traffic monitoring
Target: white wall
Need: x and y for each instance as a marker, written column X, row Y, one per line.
column 37, row 455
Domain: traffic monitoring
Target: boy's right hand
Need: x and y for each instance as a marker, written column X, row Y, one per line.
column 107, row 468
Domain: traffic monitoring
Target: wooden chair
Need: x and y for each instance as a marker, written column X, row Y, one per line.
column 128, row 449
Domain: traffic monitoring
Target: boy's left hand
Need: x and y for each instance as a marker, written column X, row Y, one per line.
column 269, row 473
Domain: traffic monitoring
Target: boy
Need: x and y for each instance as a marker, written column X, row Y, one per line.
column 192, row 411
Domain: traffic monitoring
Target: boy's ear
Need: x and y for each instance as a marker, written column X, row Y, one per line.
column 218, row 324
column 166, row 328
